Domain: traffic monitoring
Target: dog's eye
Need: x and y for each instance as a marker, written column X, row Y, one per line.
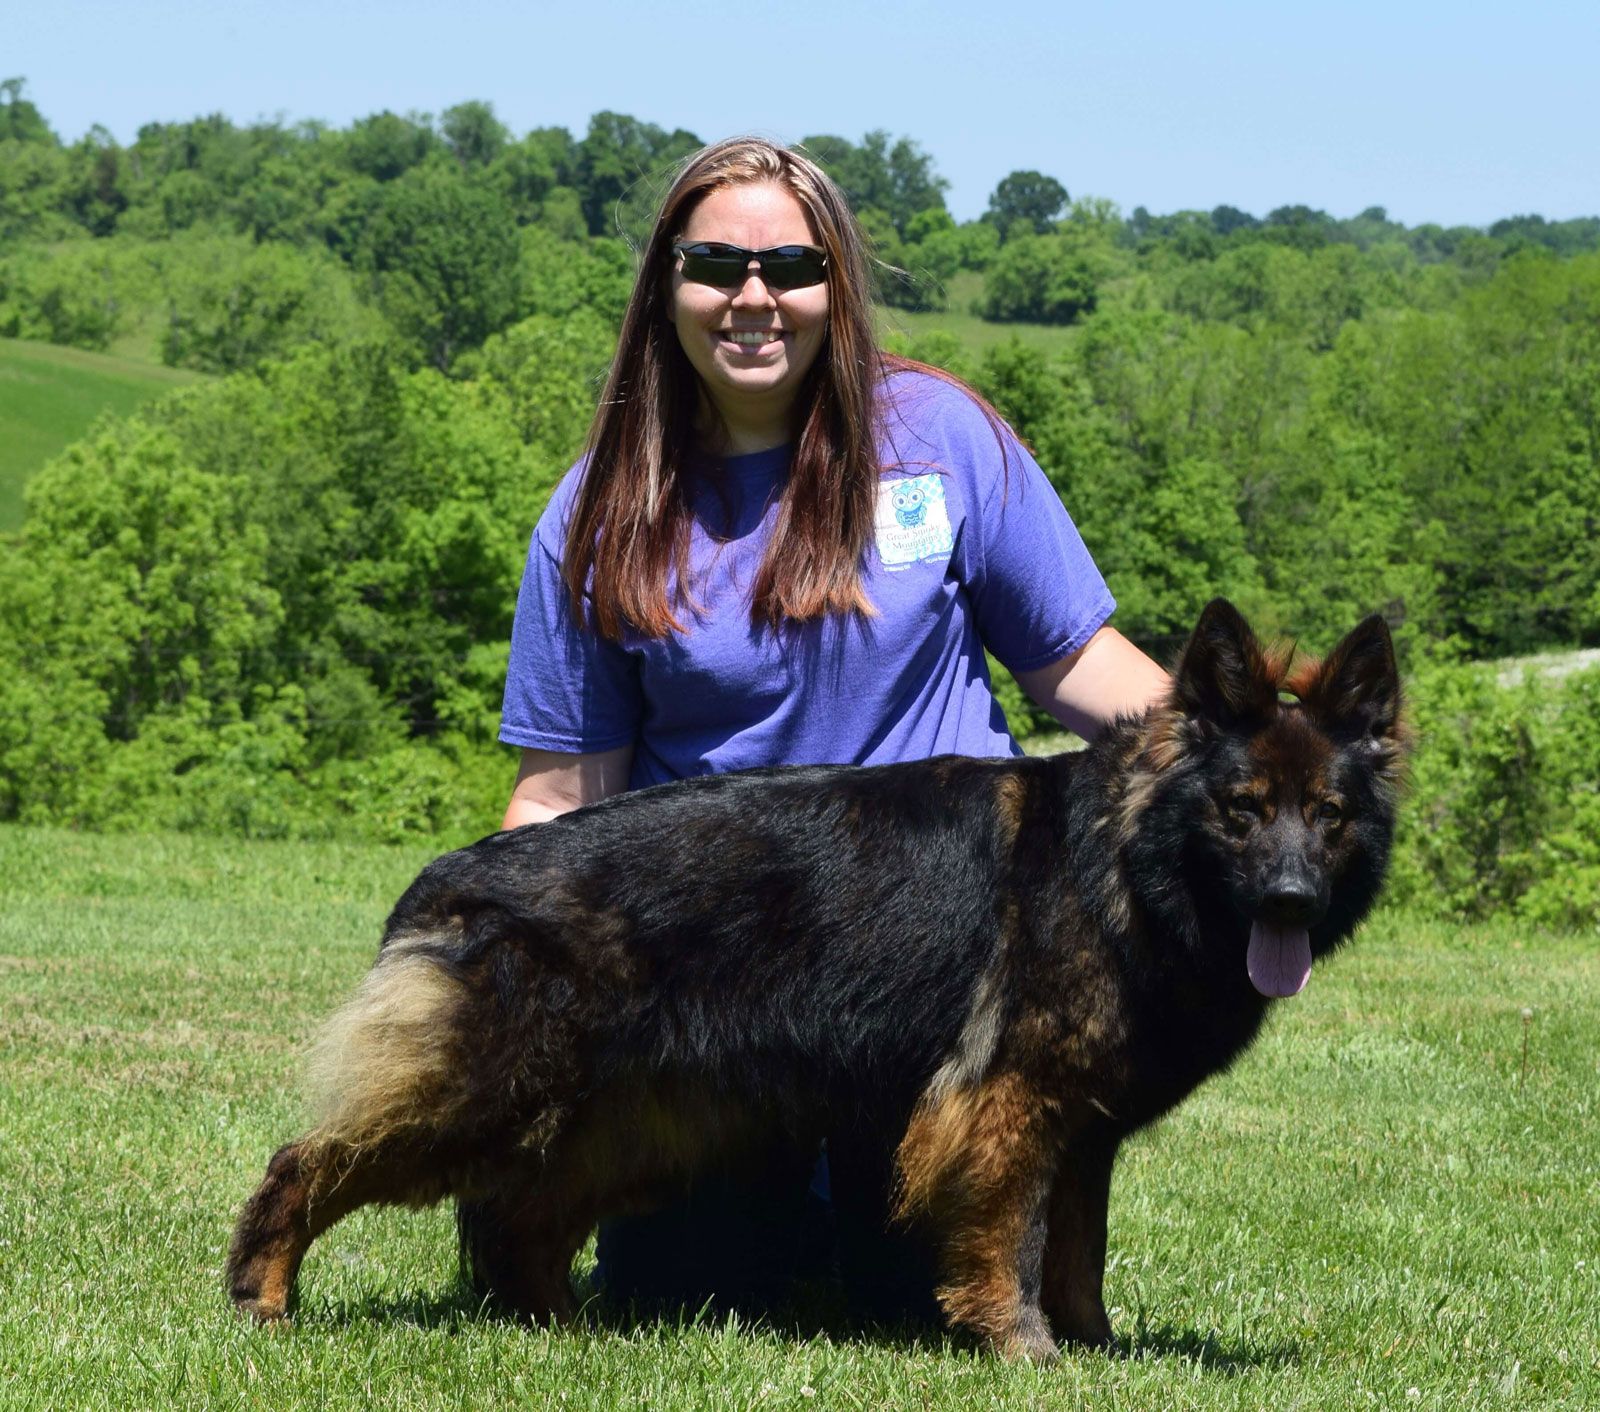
column 1329, row 812
column 1245, row 804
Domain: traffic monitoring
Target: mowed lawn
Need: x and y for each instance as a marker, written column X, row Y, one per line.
column 1383, row 1205
column 976, row 335
column 50, row 396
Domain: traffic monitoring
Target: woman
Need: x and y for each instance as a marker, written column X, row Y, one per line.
column 785, row 547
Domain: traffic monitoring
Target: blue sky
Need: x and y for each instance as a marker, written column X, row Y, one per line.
column 1457, row 113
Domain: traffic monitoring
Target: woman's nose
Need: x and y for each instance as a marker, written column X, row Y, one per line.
column 754, row 289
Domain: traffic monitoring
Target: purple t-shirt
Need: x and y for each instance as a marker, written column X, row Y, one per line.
column 966, row 555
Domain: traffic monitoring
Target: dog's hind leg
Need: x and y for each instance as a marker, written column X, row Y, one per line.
column 394, row 1072
column 308, row 1187
column 517, row 1248
column 978, row 1162
column 270, row 1239
column 1075, row 1254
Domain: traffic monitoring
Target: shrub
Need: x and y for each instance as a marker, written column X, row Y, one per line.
column 1504, row 808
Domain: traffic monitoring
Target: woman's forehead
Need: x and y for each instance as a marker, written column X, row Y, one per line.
column 757, row 215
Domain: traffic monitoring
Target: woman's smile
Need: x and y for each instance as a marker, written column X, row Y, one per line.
column 755, row 342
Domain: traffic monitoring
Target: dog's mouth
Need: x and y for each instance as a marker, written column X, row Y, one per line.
column 1279, row 959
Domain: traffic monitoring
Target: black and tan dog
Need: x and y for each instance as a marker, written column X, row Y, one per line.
column 1016, row 962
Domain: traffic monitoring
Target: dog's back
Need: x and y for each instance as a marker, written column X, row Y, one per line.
column 818, row 929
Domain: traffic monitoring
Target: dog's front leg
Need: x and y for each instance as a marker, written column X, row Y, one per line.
column 993, row 1264
column 978, row 1162
column 1075, row 1251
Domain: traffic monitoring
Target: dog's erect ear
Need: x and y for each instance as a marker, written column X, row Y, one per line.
column 1356, row 691
column 1223, row 675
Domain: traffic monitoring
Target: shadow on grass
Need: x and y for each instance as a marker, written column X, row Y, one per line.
column 1208, row 1348
column 812, row 1313
column 816, row 1312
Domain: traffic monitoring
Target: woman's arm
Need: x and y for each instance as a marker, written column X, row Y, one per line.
column 1105, row 678
column 551, row 782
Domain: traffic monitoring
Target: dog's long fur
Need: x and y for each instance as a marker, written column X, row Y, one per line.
column 1013, row 963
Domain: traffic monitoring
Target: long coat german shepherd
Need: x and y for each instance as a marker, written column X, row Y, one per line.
column 1016, row 963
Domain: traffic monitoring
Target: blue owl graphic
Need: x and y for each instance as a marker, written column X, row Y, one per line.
column 910, row 505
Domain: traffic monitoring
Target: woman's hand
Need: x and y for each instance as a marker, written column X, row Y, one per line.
column 1105, row 678
column 551, row 782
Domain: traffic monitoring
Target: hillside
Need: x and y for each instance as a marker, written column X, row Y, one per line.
column 50, row 396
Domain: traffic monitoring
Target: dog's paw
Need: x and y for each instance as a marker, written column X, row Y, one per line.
column 1030, row 1340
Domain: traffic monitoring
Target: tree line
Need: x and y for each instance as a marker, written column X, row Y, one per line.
column 441, row 225
column 278, row 601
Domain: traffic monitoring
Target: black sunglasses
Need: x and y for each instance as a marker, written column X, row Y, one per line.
column 728, row 266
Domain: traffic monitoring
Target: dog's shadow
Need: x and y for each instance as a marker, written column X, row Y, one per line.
column 813, row 1313
column 1208, row 1348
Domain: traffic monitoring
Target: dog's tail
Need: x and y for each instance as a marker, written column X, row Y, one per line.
column 392, row 1062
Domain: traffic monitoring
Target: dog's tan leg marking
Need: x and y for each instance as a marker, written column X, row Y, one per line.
column 976, row 1164
column 270, row 1240
column 312, row 1185
column 1075, row 1251
column 306, row 1190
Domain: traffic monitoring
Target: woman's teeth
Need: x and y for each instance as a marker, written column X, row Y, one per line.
column 752, row 340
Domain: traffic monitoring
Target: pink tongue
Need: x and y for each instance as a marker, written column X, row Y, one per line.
column 1279, row 959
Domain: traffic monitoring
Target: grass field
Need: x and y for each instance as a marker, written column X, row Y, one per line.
column 50, row 396
column 1380, row 1206
column 974, row 334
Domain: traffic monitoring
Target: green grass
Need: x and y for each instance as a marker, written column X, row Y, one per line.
column 50, row 396
column 976, row 335
column 1379, row 1206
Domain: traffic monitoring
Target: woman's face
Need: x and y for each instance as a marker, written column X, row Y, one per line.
column 752, row 381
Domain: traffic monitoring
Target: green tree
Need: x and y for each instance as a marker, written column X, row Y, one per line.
column 232, row 303
column 1038, row 279
column 94, row 195
column 32, row 175
column 930, row 257
column 896, row 177
column 621, row 161
column 1026, row 200
column 279, row 602
column 384, row 146
column 20, row 121
column 585, row 275
column 551, row 369
column 473, row 134
column 444, row 251
column 133, row 602
column 529, row 170
column 76, row 294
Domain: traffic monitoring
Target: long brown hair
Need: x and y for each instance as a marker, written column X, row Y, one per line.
column 628, row 537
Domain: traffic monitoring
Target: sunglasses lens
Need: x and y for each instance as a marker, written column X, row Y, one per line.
column 793, row 267
column 728, row 266
column 721, row 266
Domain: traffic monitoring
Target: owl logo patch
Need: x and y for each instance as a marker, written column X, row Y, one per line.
column 910, row 505
column 913, row 523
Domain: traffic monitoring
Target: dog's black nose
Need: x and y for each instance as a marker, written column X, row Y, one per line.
column 1292, row 900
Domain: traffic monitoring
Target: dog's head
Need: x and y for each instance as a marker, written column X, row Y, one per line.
column 1277, row 788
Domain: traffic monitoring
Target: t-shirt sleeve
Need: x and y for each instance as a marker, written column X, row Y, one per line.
column 567, row 688
column 1035, row 590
